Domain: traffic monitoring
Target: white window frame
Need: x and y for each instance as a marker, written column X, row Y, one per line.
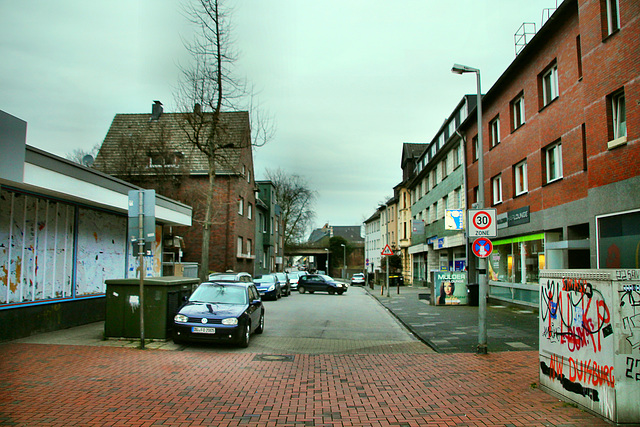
column 239, row 247
column 249, row 244
column 517, row 110
column 553, row 158
column 550, row 85
column 494, row 131
column 521, row 180
column 476, row 148
column 240, row 206
column 613, row 16
column 249, row 211
column 619, row 115
column 496, row 184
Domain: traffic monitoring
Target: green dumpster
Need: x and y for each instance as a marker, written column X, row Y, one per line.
column 162, row 298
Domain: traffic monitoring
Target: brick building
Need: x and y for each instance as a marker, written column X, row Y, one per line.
column 153, row 151
column 561, row 149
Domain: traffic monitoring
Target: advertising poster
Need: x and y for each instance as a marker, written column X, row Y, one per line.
column 451, row 287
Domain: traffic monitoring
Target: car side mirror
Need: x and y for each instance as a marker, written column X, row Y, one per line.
column 256, row 302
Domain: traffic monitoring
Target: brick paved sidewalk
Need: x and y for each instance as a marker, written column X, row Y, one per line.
column 63, row 385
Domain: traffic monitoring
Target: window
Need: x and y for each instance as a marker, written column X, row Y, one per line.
column 520, row 173
column 249, row 247
column 497, row 189
column 444, row 167
column 494, row 131
column 553, row 156
column 250, row 211
column 619, row 115
column 475, row 147
column 517, row 112
column 239, row 247
column 240, row 206
column 613, row 17
column 549, row 85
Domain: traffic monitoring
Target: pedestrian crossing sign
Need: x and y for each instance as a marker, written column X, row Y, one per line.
column 387, row 250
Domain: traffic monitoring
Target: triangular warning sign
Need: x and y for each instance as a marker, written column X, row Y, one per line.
column 387, row 251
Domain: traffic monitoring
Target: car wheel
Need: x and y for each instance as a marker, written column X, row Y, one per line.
column 301, row 289
column 244, row 339
column 260, row 325
column 331, row 291
column 340, row 292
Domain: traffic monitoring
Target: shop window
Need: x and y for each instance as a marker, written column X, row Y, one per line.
column 517, row 260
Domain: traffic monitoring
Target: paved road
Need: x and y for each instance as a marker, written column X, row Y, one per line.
column 75, row 378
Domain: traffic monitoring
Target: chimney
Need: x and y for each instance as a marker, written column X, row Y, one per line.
column 156, row 110
column 197, row 108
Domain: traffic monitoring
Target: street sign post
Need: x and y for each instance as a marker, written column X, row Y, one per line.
column 387, row 252
column 482, row 223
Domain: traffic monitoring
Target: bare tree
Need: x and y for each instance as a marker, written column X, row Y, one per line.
column 209, row 87
column 296, row 200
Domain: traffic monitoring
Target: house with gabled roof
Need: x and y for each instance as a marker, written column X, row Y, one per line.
column 156, row 151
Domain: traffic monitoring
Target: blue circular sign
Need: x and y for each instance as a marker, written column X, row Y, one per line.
column 482, row 247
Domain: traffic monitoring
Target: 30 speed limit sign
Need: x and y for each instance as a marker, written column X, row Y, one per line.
column 482, row 223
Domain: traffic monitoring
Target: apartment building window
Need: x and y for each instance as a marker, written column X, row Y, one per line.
column 613, row 16
column 520, row 174
column 445, row 204
column 517, row 112
column 496, row 183
column 239, row 247
column 240, row 206
column 475, row 147
column 434, row 177
column 494, row 131
column 619, row 115
column 553, row 162
column 549, row 82
column 249, row 247
column 444, row 167
column 250, row 211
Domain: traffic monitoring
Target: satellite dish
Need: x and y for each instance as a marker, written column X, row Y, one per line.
column 87, row 160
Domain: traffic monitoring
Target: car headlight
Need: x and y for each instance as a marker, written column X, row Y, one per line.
column 181, row 318
column 230, row 321
column 271, row 288
column 339, row 285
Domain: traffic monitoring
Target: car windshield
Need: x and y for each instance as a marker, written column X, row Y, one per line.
column 281, row 276
column 264, row 279
column 219, row 294
column 358, row 275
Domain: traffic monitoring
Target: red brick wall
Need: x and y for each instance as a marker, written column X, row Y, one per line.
column 606, row 67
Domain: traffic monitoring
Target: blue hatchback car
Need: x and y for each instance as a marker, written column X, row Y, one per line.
column 268, row 286
column 220, row 312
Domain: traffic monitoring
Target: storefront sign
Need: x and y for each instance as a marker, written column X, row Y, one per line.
column 417, row 226
column 518, row 216
column 441, row 243
column 432, row 240
column 502, row 220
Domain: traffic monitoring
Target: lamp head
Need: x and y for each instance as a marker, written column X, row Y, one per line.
column 460, row 69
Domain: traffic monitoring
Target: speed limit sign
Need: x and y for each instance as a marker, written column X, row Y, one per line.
column 482, row 223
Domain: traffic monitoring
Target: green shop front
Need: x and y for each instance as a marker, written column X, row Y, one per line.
column 513, row 269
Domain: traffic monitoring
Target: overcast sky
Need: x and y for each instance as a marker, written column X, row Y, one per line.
column 346, row 81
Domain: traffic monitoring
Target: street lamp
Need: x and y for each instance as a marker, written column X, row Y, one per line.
column 482, row 262
column 328, row 272
column 344, row 259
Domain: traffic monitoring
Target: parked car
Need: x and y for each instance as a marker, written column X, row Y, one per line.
column 283, row 280
column 222, row 312
column 320, row 282
column 357, row 279
column 268, row 286
column 293, row 279
column 230, row 277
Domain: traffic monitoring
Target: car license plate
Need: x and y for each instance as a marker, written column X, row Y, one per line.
column 202, row 330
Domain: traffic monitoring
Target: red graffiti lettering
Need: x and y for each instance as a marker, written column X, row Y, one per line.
column 591, row 373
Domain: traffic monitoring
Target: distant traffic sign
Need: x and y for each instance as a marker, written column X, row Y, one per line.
column 482, row 247
column 482, row 223
column 387, row 251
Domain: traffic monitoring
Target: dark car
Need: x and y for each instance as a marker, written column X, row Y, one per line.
column 320, row 282
column 221, row 312
column 285, row 285
column 268, row 286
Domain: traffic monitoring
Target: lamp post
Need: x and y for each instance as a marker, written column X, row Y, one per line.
column 327, row 267
column 482, row 262
column 344, row 259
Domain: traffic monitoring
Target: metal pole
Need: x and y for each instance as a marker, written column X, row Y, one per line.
column 141, row 262
column 482, row 264
column 387, row 257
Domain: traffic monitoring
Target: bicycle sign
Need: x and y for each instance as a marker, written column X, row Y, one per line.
column 482, row 223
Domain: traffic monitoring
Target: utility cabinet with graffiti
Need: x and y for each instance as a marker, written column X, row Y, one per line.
column 590, row 340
